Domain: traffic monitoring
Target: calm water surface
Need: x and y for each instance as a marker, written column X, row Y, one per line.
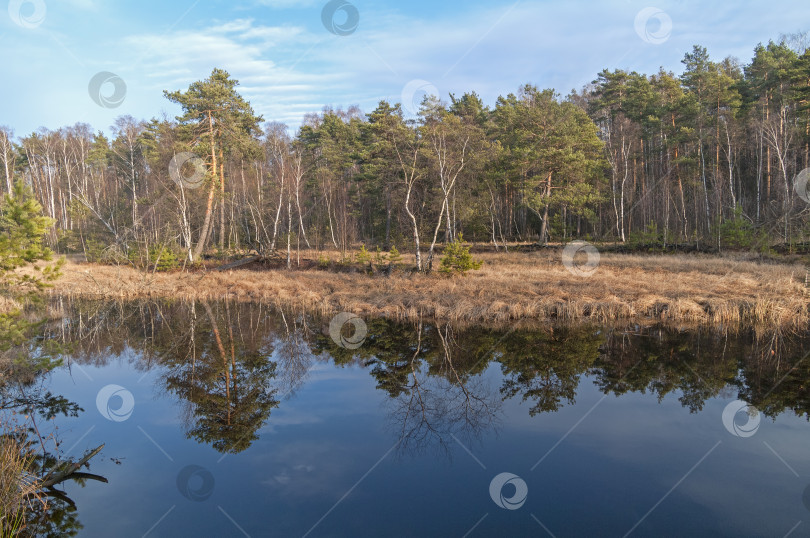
column 245, row 420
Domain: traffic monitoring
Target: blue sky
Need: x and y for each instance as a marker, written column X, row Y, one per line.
column 289, row 63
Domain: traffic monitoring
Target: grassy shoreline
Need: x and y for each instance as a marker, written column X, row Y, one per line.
column 733, row 292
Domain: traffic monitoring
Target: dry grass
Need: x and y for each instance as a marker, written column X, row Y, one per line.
column 17, row 485
column 8, row 305
column 730, row 292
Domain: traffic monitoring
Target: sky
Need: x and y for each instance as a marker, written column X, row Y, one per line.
column 90, row 61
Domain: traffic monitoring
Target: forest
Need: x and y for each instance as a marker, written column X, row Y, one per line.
column 712, row 157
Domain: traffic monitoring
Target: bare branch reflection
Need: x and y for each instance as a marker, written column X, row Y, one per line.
column 435, row 406
column 293, row 354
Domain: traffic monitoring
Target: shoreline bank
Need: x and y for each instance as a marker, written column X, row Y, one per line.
column 681, row 289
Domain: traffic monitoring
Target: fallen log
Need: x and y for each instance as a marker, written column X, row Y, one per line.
column 65, row 473
column 239, row 263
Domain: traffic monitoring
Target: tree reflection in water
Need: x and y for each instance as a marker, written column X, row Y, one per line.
column 437, row 404
column 232, row 363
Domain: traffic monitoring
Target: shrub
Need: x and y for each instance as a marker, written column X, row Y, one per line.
column 159, row 257
column 648, row 239
column 457, row 259
column 364, row 259
column 346, row 259
column 163, row 258
column 737, row 232
column 379, row 257
column 94, row 250
column 68, row 241
column 394, row 257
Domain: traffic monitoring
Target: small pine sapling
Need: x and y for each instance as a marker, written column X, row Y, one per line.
column 457, row 259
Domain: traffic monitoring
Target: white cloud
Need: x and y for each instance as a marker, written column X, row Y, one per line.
column 257, row 55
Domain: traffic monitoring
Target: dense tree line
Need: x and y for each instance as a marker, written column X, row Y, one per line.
column 706, row 157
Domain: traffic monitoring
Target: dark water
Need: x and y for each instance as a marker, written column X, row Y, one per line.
column 246, row 420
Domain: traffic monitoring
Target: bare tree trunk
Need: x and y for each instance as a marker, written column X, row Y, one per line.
column 222, row 196
column 730, row 156
column 387, row 245
column 329, row 216
column 299, row 176
column 415, row 228
column 289, row 232
column 410, row 181
column 448, row 175
column 705, row 188
column 626, row 159
column 278, row 216
column 281, row 171
column 210, row 203
column 544, row 224
column 492, row 217
column 759, row 176
column 767, row 152
column 435, row 236
column 7, row 154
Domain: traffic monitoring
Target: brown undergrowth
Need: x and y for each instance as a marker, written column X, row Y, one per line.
column 730, row 292
column 18, row 486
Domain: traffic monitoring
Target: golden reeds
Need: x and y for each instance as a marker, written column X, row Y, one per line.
column 17, row 485
column 733, row 292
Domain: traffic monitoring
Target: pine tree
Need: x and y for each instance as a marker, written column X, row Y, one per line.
column 22, row 228
column 457, row 259
column 222, row 122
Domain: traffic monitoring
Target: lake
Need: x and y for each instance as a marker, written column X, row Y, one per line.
column 224, row 419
